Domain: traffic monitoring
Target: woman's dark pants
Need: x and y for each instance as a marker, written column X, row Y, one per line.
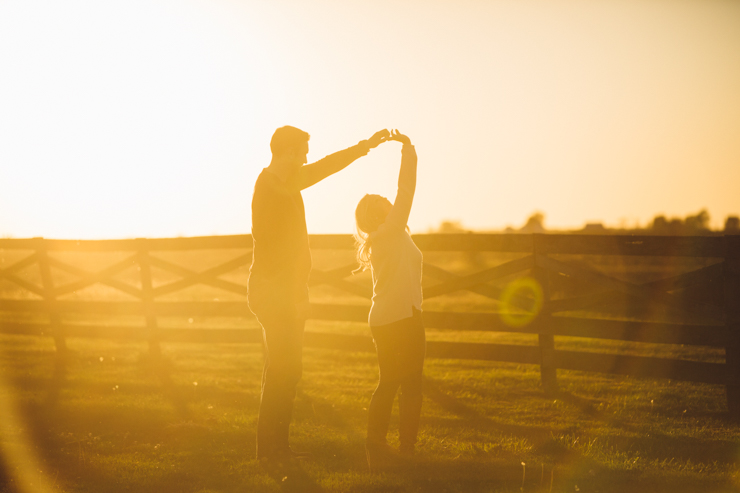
column 401, row 347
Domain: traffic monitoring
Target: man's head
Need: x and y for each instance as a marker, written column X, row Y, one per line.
column 289, row 145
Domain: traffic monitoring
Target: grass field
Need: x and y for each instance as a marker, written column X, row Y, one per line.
column 113, row 420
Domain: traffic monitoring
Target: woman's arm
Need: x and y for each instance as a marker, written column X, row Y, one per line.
column 399, row 213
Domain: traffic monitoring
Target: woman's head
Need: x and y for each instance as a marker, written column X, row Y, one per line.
column 371, row 213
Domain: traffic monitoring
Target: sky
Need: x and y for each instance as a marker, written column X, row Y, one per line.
column 153, row 117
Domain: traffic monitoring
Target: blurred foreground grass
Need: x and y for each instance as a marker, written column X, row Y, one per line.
column 115, row 422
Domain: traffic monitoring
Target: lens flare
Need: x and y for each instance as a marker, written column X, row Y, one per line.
column 521, row 302
column 17, row 451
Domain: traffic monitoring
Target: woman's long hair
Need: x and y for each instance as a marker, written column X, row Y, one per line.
column 366, row 221
column 362, row 247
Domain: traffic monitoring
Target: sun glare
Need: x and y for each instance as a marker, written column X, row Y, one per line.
column 153, row 118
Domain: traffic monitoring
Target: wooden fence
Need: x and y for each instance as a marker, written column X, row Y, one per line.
column 709, row 319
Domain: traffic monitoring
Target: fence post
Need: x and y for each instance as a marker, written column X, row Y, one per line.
column 732, row 320
column 148, row 299
column 548, row 366
column 47, row 281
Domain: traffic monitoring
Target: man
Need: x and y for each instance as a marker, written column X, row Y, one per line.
column 281, row 263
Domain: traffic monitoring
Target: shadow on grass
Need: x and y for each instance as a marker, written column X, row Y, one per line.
column 291, row 477
column 476, row 420
column 546, row 442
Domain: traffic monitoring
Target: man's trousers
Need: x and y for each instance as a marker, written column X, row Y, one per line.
column 282, row 335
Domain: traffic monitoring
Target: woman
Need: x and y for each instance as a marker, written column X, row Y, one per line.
column 385, row 247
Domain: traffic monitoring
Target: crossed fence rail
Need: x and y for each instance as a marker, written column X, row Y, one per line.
column 704, row 303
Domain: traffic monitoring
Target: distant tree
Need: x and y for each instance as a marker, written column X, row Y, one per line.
column 449, row 226
column 698, row 223
column 732, row 225
column 660, row 224
column 535, row 224
column 692, row 225
column 536, row 220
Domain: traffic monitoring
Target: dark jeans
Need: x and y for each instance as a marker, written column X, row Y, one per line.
column 282, row 333
column 401, row 347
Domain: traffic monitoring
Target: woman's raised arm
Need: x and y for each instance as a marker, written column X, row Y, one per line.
column 399, row 213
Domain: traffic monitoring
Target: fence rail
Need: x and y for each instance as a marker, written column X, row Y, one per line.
column 706, row 300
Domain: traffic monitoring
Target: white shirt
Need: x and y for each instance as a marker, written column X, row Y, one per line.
column 395, row 260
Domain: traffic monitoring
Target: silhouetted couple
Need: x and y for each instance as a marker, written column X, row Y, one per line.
column 278, row 292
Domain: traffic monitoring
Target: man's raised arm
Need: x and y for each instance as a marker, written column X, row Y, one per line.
column 313, row 173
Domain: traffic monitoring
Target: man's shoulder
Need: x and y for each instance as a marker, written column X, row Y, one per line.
column 267, row 177
column 268, row 182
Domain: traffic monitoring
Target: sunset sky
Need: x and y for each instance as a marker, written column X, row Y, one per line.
column 153, row 117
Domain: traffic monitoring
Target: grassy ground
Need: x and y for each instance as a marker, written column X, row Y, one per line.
column 113, row 421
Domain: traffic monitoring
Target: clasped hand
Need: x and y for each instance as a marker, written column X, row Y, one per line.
column 384, row 136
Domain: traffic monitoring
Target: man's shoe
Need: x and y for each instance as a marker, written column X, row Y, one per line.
column 381, row 456
column 282, row 455
column 406, row 452
column 298, row 455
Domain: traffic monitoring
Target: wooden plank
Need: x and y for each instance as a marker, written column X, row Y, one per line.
column 331, row 242
column 507, row 353
column 731, row 287
column 700, row 276
column 462, row 283
column 116, row 332
column 346, row 313
column 140, row 333
column 650, row 332
column 642, row 366
column 217, row 270
column 438, row 242
column 318, row 277
column 343, row 271
column 546, row 341
column 26, row 285
column 20, row 265
column 691, row 246
column 147, row 295
column 468, row 321
column 432, row 319
column 221, row 336
column 342, row 342
column 25, row 329
column 90, row 278
column 50, row 299
column 511, row 353
column 151, row 244
column 664, row 246
column 681, row 281
column 473, row 242
column 700, row 309
column 161, row 308
column 181, row 284
column 579, row 302
column 732, row 246
column 486, row 290
column 208, row 277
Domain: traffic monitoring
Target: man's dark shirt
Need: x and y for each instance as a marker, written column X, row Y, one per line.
column 281, row 259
